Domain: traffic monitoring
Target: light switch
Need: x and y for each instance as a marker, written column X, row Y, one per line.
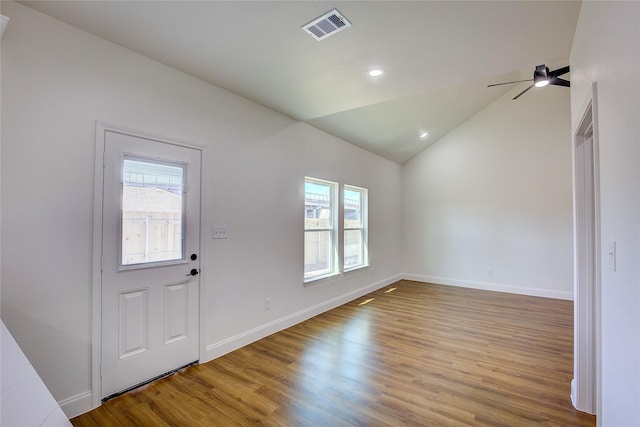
column 219, row 232
column 611, row 255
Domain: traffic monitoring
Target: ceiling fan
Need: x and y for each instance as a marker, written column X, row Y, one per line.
column 542, row 77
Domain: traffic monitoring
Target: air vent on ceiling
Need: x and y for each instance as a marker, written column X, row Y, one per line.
column 326, row 25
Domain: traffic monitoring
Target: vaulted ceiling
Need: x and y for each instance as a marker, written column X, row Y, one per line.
column 439, row 56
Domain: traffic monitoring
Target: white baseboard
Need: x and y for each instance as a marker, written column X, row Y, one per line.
column 233, row 343
column 77, row 405
column 497, row 287
column 574, row 393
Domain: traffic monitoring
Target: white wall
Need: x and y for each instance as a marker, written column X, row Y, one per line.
column 495, row 194
column 56, row 82
column 606, row 50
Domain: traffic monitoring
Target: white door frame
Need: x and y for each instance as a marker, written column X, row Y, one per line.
column 586, row 387
column 96, row 282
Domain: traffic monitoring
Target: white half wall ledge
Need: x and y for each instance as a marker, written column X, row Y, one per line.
column 238, row 341
column 25, row 399
column 495, row 287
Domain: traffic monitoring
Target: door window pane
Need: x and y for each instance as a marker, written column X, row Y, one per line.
column 152, row 212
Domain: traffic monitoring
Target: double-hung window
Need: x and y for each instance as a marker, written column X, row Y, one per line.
column 320, row 228
column 354, row 204
column 325, row 253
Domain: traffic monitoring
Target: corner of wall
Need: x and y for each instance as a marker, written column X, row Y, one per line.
column 493, row 287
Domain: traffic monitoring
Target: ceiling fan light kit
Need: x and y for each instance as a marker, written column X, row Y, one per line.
column 542, row 77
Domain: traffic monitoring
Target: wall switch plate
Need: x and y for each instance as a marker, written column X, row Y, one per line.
column 611, row 255
column 267, row 303
column 219, row 232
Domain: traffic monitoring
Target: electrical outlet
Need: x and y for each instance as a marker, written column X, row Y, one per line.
column 267, row 303
column 490, row 272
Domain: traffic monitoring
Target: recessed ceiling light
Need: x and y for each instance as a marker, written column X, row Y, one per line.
column 375, row 72
column 424, row 135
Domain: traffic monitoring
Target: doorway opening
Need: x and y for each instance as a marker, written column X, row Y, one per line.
column 585, row 387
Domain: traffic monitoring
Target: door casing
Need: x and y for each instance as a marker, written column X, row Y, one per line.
column 586, row 387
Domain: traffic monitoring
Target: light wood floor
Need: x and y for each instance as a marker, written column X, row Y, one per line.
column 415, row 354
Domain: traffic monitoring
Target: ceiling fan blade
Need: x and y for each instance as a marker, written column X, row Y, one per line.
column 559, row 71
column 560, row 82
column 508, row 83
column 521, row 93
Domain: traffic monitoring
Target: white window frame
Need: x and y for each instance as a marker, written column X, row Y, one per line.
column 363, row 227
column 333, row 229
column 150, row 264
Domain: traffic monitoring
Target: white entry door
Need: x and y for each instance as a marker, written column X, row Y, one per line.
column 150, row 259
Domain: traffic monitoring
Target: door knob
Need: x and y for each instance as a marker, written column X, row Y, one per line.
column 193, row 272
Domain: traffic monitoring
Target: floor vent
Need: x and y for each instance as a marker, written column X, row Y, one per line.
column 326, row 25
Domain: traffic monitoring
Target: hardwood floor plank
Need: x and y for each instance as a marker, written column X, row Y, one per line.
column 410, row 354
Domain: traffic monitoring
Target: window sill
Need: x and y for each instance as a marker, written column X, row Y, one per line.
column 318, row 279
column 360, row 267
column 333, row 276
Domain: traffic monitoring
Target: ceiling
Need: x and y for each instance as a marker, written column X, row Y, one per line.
column 439, row 56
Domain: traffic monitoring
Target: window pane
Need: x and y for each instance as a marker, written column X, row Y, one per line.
column 353, row 249
column 317, row 253
column 152, row 217
column 317, row 206
column 352, row 208
column 320, row 228
column 355, row 232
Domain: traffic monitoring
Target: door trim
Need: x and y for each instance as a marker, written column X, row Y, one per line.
column 586, row 387
column 96, row 267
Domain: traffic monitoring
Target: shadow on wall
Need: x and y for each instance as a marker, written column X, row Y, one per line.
column 42, row 331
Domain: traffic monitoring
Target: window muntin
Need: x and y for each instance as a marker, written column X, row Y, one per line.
column 354, row 204
column 152, row 219
column 320, row 225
